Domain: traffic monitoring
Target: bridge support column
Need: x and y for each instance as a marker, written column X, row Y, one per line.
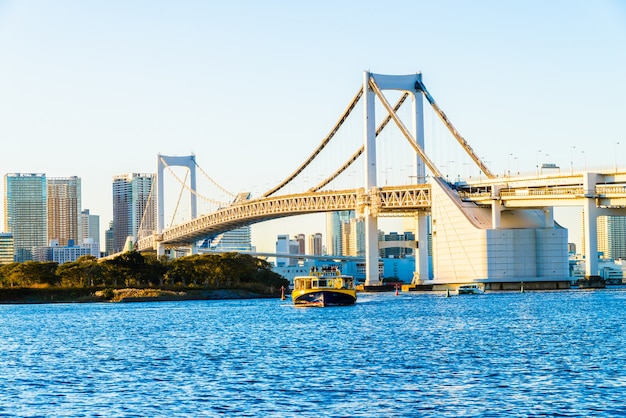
column 496, row 206
column 372, row 276
column 590, row 214
column 160, row 249
column 422, row 272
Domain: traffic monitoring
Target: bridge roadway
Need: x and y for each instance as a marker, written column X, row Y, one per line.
column 541, row 191
column 389, row 201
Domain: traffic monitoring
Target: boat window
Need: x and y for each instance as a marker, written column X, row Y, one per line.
column 314, row 283
column 322, row 283
column 329, row 283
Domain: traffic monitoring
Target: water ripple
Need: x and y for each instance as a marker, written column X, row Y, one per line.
column 524, row 355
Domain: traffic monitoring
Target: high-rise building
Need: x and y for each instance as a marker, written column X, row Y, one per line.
column 239, row 239
column 64, row 208
column 315, row 244
column 334, row 220
column 353, row 238
column 89, row 227
column 25, row 212
column 612, row 236
column 300, row 239
column 134, row 208
column 7, row 252
column 282, row 247
column 108, row 240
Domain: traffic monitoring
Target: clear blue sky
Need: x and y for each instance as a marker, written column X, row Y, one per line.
column 96, row 89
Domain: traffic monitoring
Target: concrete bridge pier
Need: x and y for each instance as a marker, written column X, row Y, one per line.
column 590, row 215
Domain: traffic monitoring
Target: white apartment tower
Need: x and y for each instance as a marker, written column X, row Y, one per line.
column 134, row 208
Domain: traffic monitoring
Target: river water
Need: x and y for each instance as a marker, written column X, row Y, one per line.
column 416, row 354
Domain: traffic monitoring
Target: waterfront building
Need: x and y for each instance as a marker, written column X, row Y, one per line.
column 66, row 253
column 334, row 221
column 7, row 251
column 89, row 227
column 25, row 212
column 64, row 206
column 403, row 248
column 134, row 208
column 315, row 244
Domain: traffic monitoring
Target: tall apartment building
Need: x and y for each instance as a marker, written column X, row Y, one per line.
column 334, row 221
column 134, row 207
column 612, row 236
column 89, row 227
column 315, row 244
column 25, row 212
column 64, row 206
column 300, row 239
column 353, row 238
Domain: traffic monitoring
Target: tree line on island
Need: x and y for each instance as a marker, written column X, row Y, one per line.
column 135, row 270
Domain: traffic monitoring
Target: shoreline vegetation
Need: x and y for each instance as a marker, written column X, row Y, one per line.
column 133, row 277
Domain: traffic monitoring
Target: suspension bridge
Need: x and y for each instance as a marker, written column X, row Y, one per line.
column 491, row 229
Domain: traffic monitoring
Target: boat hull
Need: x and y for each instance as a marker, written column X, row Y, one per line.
column 324, row 298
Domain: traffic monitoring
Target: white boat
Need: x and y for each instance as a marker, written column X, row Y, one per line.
column 470, row 289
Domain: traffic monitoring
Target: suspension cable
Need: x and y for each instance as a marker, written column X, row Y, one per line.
column 432, row 167
column 325, row 141
column 358, row 153
column 180, row 195
column 214, row 182
column 215, row 202
column 419, row 85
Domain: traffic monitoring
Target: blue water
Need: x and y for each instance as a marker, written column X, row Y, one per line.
column 417, row 354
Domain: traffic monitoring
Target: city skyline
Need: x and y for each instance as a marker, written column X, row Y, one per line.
column 96, row 90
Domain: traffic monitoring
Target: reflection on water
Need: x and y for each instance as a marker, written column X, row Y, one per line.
column 416, row 354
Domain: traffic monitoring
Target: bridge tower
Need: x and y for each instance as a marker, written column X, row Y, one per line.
column 411, row 84
column 188, row 161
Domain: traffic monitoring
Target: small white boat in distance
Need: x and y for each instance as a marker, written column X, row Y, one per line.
column 470, row 289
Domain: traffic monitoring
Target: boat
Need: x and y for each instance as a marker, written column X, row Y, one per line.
column 324, row 286
column 470, row 289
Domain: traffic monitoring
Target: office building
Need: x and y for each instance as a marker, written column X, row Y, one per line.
column 315, row 244
column 25, row 212
column 89, row 227
column 239, row 239
column 334, row 221
column 352, row 238
column 7, row 252
column 108, row 239
column 64, row 208
column 612, row 236
column 134, row 208
column 66, row 253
